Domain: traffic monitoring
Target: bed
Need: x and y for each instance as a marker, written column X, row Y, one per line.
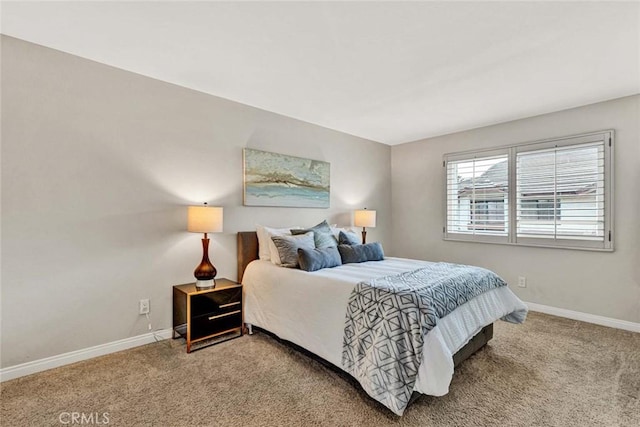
column 308, row 310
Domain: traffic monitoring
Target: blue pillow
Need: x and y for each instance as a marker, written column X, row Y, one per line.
column 361, row 253
column 322, row 235
column 348, row 238
column 315, row 259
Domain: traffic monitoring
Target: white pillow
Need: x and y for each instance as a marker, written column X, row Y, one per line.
column 266, row 248
column 263, row 243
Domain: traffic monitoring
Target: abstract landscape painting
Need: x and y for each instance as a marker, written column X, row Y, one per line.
column 272, row 179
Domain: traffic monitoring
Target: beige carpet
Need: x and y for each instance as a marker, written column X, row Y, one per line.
column 547, row 372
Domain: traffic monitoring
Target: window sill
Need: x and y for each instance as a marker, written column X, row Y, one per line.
column 531, row 245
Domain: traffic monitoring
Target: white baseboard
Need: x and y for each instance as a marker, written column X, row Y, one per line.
column 100, row 350
column 76, row 356
column 585, row 317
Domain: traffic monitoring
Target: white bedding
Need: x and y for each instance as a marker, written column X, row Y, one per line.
column 309, row 309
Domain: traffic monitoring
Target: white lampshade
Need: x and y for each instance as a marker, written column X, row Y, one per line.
column 204, row 219
column 364, row 218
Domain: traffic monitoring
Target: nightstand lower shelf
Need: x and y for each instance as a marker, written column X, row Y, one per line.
column 198, row 343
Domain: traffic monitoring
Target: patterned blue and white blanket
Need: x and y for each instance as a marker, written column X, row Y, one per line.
column 387, row 319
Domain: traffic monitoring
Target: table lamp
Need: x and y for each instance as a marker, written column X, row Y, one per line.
column 204, row 219
column 364, row 218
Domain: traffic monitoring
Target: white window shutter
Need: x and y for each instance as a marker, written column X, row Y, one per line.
column 478, row 198
column 553, row 193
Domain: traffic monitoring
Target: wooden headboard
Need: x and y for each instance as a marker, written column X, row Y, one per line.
column 247, row 250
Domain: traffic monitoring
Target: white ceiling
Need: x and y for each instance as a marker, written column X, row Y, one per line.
column 387, row 71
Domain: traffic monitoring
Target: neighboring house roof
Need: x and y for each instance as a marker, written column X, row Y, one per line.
column 493, row 182
column 580, row 177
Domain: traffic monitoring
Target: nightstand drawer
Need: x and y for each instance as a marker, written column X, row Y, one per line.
column 216, row 302
column 209, row 324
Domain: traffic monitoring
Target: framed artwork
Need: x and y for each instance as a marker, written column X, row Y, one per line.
column 272, row 179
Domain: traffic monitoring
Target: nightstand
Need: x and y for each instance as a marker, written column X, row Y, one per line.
column 207, row 316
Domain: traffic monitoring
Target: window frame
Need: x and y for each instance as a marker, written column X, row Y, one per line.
column 607, row 137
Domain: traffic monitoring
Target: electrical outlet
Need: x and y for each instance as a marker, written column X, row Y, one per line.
column 144, row 306
column 522, row 281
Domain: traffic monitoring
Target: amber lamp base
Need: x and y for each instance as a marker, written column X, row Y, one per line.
column 205, row 272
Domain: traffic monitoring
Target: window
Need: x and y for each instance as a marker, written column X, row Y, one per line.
column 539, row 209
column 551, row 193
column 478, row 197
column 487, row 215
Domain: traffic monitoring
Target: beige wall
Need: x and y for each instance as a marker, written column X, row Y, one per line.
column 605, row 284
column 98, row 166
